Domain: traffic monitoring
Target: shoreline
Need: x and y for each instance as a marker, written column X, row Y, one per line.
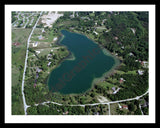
column 69, row 57
column 104, row 75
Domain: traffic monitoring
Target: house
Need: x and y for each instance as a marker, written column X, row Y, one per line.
column 133, row 30
column 131, row 54
column 49, row 56
column 37, row 52
column 40, row 37
column 35, row 44
column 125, row 106
column 49, row 63
column 140, row 72
column 65, row 113
column 122, row 47
column 114, row 88
column 116, row 91
column 16, row 43
column 54, row 39
column 38, row 69
column 121, row 80
column 95, row 32
column 116, row 38
column 43, row 30
column 144, row 64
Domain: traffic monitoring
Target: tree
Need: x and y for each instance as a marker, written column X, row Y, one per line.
column 32, row 110
column 138, row 112
column 93, row 94
column 131, row 107
column 44, row 67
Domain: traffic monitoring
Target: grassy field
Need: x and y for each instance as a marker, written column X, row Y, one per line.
column 18, row 58
column 113, row 108
column 18, row 52
column 15, row 75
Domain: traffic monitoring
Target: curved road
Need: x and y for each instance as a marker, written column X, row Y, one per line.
column 24, row 100
column 108, row 103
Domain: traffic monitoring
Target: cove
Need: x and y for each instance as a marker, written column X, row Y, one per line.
column 76, row 76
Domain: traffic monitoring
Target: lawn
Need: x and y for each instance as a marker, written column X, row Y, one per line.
column 113, row 108
column 106, row 84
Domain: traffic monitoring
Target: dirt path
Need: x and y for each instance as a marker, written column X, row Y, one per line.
column 102, row 99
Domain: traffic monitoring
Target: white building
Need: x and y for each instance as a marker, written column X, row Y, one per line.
column 49, row 63
column 140, row 72
column 95, row 32
column 35, row 44
column 54, row 39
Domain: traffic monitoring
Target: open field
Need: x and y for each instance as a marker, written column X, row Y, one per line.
column 18, row 55
column 18, row 52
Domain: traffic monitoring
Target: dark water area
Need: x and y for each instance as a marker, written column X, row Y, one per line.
column 76, row 76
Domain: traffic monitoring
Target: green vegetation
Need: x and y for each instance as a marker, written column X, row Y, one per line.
column 53, row 109
column 132, row 108
column 124, row 34
column 18, row 57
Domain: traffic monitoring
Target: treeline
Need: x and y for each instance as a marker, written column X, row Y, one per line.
column 53, row 109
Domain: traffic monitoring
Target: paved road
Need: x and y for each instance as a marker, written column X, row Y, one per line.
column 25, row 65
column 111, row 102
column 108, row 103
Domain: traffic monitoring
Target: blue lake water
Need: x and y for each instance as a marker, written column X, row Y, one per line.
column 76, row 76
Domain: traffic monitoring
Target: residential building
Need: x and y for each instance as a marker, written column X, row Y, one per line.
column 125, row 106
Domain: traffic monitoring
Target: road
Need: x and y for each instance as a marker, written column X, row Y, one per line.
column 108, row 103
column 25, row 65
column 27, row 21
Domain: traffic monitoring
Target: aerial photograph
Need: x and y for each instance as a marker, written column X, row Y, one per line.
column 80, row 63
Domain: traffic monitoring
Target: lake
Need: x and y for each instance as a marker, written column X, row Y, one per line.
column 77, row 75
